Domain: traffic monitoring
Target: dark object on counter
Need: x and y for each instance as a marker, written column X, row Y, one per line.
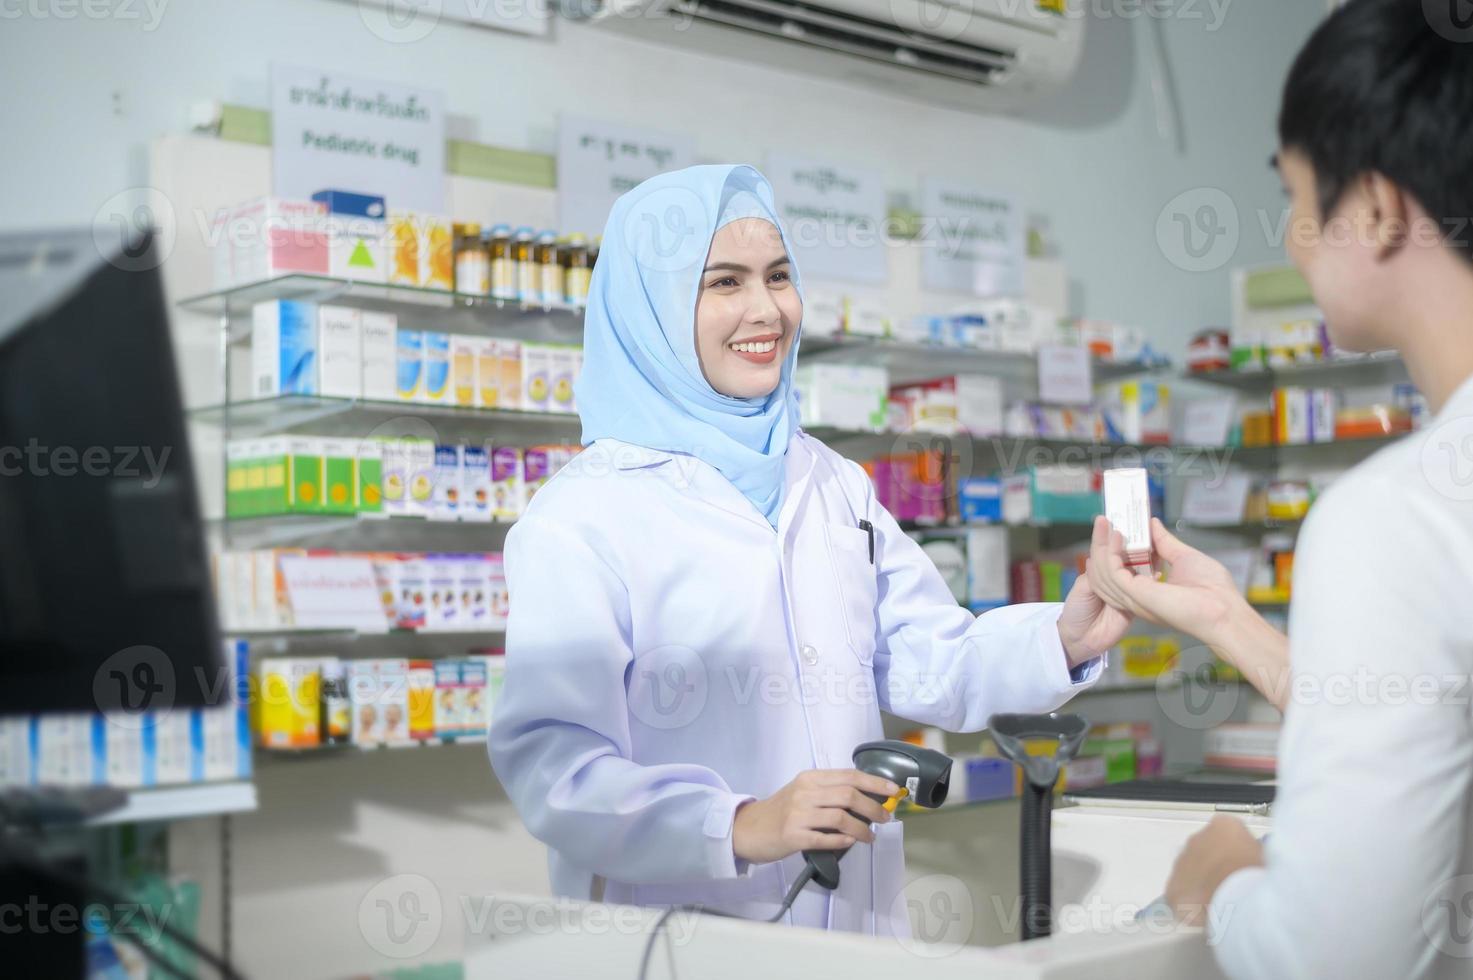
column 1040, row 773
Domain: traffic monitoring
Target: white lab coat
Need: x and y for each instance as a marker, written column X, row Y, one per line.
column 669, row 656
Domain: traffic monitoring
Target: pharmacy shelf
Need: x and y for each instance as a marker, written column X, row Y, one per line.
column 182, row 802
column 913, row 361
column 349, row 750
column 369, row 418
column 1241, row 527
column 1019, row 450
column 1383, row 367
column 352, row 532
column 406, row 300
column 314, row 635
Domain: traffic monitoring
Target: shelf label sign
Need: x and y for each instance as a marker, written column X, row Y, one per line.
column 834, row 216
column 1064, row 376
column 974, row 241
column 597, row 161
column 340, row 132
column 1216, row 501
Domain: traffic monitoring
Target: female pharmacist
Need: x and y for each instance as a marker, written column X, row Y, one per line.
column 709, row 609
column 1367, row 871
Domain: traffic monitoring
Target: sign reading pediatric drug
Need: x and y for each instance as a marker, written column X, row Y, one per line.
column 835, row 218
column 339, row 132
column 974, row 241
column 597, row 161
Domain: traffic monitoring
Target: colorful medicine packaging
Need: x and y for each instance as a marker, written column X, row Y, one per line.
column 378, row 356
column 270, row 237
column 284, row 335
column 421, row 250
column 1136, row 412
column 436, row 390
column 357, row 235
column 339, row 352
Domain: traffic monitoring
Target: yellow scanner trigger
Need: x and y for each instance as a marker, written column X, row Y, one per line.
column 889, row 804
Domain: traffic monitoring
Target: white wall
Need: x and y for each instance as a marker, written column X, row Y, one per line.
column 83, row 96
column 82, row 99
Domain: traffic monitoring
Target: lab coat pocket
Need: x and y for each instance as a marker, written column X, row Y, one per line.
column 892, row 913
column 854, row 574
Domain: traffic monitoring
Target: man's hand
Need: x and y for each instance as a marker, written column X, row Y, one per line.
column 1210, row 855
column 1089, row 626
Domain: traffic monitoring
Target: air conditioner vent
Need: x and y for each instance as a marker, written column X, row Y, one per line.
column 856, row 36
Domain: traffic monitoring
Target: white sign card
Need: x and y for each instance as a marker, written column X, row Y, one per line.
column 597, row 161
column 334, row 593
column 975, row 241
column 1207, row 421
column 340, row 132
column 1209, row 501
column 1065, row 376
column 834, row 216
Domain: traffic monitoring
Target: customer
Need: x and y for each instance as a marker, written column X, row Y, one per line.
column 1362, row 876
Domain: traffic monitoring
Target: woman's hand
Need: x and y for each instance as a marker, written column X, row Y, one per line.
column 1199, row 599
column 1089, row 626
column 808, row 813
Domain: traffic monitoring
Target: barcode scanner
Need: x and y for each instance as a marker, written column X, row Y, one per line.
column 923, row 775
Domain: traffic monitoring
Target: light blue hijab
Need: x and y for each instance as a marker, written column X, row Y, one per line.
column 641, row 382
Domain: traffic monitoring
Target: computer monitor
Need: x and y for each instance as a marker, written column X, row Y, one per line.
column 105, row 591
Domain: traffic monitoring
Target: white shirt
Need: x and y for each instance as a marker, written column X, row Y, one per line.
column 671, row 655
column 1369, row 867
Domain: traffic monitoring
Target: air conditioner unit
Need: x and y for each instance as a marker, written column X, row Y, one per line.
column 990, row 55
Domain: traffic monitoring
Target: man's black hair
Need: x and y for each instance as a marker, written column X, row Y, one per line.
column 1386, row 86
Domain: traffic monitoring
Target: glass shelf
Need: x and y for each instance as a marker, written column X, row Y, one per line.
column 1385, row 367
column 913, row 360
column 364, row 417
column 354, row 532
column 381, row 296
column 182, row 802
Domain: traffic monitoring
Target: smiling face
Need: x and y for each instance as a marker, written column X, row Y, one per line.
column 748, row 311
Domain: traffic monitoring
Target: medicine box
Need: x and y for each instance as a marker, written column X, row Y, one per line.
column 507, row 492
column 1127, row 500
column 436, row 368
column 409, row 365
column 378, row 356
column 442, row 586
column 363, row 701
column 394, row 701
column 1136, row 412
column 422, row 474
column 463, row 350
column 1051, row 493
column 445, row 499
column 357, row 235
column 498, row 599
column 844, row 396
column 475, row 484
column 473, row 709
column 287, row 695
column 488, row 372
column 283, row 348
column 420, row 250
column 421, row 694
column 394, row 457
column 565, row 360
column 979, row 499
column 270, row 237
column 368, row 477
column 536, row 376
column 339, row 368
column 447, row 722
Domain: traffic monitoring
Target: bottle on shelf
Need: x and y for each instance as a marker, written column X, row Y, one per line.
column 576, row 270
column 524, row 262
column 503, row 271
column 549, row 270
column 472, row 261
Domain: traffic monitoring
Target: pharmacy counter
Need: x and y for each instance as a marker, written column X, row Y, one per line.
column 532, row 937
column 1111, row 859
